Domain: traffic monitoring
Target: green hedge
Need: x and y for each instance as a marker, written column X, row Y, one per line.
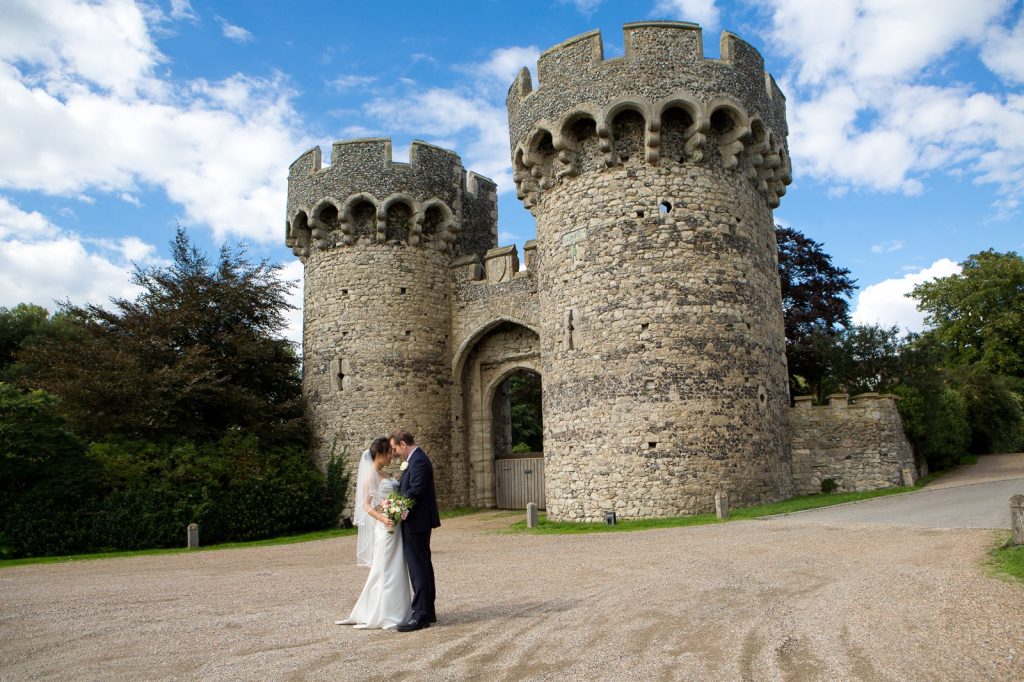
column 60, row 497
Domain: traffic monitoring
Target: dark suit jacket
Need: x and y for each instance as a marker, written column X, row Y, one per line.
column 418, row 483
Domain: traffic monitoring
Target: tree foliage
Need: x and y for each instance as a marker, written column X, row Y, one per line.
column 814, row 307
column 524, row 392
column 198, row 352
column 180, row 406
column 977, row 316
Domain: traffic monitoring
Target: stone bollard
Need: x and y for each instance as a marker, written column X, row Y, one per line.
column 193, row 535
column 531, row 515
column 1017, row 518
column 722, row 505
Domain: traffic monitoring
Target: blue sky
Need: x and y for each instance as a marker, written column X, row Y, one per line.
column 122, row 118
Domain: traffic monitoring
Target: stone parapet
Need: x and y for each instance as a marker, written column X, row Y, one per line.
column 858, row 443
column 366, row 196
column 660, row 103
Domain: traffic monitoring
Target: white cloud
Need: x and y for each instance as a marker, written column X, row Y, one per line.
column 41, row 263
column 871, row 107
column 886, row 303
column 130, row 198
column 583, row 6
column 235, row 33
column 68, row 45
column 887, row 247
column 293, row 272
column 14, row 221
column 1003, row 51
column 182, row 9
column 215, row 148
column 348, row 81
column 504, row 65
column 703, row 12
column 476, row 127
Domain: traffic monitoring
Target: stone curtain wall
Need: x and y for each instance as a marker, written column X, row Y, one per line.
column 860, row 445
column 494, row 321
column 661, row 333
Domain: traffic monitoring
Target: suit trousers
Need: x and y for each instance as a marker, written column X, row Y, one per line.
column 416, row 547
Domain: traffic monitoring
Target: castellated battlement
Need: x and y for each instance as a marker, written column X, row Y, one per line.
column 364, row 195
column 662, row 103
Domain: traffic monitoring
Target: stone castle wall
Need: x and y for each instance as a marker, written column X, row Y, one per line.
column 860, row 445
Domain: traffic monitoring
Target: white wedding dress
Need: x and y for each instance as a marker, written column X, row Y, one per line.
column 386, row 600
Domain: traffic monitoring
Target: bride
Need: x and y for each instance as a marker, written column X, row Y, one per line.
column 386, row 599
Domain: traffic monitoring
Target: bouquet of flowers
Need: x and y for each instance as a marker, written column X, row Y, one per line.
column 396, row 507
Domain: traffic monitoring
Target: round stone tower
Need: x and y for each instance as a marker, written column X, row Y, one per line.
column 652, row 178
column 376, row 238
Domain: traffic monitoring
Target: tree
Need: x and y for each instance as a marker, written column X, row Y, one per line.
column 977, row 316
column 199, row 352
column 870, row 358
column 22, row 327
column 814, row 306
column 524, row 392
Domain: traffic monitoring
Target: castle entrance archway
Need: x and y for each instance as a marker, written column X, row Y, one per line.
column 517, row 439
column 489, row 362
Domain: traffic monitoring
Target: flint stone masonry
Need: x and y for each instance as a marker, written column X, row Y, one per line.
column 649, row 302
column 859, row 444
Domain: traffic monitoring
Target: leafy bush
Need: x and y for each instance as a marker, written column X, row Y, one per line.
column 829, row 485
column 521, row 448
column 936, row 423
column 336, row 485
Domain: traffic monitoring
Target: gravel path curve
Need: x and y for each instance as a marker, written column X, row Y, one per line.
column 756, row 600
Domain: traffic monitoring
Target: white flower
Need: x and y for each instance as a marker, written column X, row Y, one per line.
column 403, row 466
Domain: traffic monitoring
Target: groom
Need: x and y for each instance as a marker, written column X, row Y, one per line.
column 418, row 483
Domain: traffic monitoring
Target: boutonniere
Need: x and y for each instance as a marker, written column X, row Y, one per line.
column 403, row 466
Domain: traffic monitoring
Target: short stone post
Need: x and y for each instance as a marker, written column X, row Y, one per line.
column 193, row 535
column 531, row 515
column 1017, row 518
column 722, row 505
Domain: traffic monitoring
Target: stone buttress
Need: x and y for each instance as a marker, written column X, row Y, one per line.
column 652, row 178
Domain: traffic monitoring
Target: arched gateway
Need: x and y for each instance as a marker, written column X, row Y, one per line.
column 487, row 360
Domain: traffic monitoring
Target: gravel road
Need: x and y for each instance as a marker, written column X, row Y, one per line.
column 755, row 600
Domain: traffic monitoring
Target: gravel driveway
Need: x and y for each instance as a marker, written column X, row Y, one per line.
column 756, row 600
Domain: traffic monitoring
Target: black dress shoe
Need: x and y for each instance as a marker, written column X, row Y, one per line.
column 413, row 624
column 433, row 619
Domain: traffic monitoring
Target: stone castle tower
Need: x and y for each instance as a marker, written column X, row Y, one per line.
column 650, row 304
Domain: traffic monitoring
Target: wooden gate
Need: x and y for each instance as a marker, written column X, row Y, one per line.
column 519, row 482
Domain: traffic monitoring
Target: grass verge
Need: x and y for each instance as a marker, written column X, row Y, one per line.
column 546, row 527
column 285, row 540
column 1007, row 561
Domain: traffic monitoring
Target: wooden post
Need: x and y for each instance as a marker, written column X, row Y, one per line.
column 722, row 505
column 531, row 515
column 1017, row 518
column 193, row 535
